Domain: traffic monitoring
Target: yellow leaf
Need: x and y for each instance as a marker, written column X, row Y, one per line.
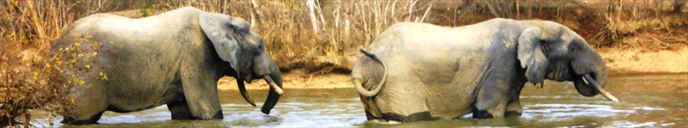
column 35, row 75
column 103, row 76
column 78, row 36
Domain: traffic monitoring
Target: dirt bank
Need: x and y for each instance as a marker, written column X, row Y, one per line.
column 640, row 61
column 295, row 80
column 618, row 61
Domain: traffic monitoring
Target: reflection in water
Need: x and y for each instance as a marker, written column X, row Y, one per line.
column 646, row 100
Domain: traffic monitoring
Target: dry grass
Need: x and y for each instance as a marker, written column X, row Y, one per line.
column 318, row 37
column 315, row 35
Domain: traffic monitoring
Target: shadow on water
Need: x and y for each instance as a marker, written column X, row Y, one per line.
column 656, row 100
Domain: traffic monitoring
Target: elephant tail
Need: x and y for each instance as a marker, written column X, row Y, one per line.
column 376, row 89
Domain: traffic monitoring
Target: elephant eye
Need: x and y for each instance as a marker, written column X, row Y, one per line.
column 258, row 49
column 572, row 47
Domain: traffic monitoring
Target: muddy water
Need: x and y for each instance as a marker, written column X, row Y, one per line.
column 649, row 100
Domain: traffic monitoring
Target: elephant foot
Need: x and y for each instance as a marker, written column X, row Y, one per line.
column 371, row 109
column 385, row 122
column 514, row 109
column 74, row 121
column 481, row 114
column 420, row 116
column 180, row 111
column 369, row 116
column 512, row 113
column 218, row 115
column 498, row 112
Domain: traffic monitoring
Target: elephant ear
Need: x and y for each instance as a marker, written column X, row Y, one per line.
column 223, row 31
column 531, row 54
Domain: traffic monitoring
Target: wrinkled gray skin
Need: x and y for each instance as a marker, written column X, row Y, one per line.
column 442, row 72
column 174, row 59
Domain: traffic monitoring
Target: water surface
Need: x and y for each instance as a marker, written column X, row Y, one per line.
column 647, row 100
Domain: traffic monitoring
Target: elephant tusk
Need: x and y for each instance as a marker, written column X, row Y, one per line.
column 588, row 80
column 244, row 93
column 273, row 85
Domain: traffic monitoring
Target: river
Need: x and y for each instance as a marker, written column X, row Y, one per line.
column 646, row 100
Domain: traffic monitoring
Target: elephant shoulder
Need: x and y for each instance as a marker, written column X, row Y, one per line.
column 180, row 12
column 93, row 21
column 499, row 22
column 188, row 8
column 411, row 26
column 400, row 26
column 397, row 31
column 82, row 25
column 411, row 29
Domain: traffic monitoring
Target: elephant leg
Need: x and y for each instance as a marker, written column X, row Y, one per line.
column 370, row 115
column 179, row 110
column 86, row 120
column 514, row 108
column 404, row 108
column 492, row 100
column 371, row 109
column 490, row 112
column 90, row 103
column 481, row 114
column 200, row 93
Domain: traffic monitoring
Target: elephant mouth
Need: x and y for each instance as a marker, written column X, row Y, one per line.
column 587, row 85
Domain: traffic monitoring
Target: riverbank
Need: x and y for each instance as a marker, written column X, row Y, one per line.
column 640, row 61
column 619, row 61
column 295, row 80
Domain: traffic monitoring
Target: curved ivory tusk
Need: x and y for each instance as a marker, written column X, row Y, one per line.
column 244, row 93
column 588, row 79
column 273, row 85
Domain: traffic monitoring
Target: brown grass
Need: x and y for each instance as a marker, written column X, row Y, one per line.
column 321, row 36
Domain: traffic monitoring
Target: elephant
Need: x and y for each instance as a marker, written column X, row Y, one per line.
column 418, row 71
column 174, row 58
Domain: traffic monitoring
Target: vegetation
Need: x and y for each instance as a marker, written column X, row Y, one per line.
column 314, row 35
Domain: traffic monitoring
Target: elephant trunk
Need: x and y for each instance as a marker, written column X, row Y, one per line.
column 275, row 81
column 591, row 76
column 359, row 85
column 600, row 79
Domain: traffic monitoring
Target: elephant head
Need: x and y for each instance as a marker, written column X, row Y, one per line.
column 548, row 50
column 243, row 49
